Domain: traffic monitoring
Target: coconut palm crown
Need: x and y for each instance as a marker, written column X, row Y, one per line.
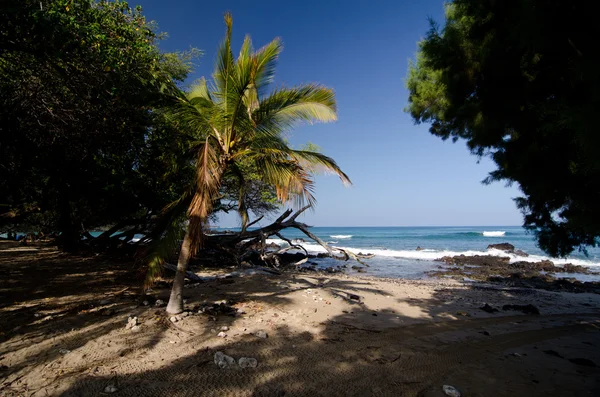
column 235, row 119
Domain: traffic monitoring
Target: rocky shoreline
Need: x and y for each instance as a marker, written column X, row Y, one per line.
column 524, row 274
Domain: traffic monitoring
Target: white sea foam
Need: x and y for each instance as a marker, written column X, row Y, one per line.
column 494, row 234
column 341, row 236
column 430, row 255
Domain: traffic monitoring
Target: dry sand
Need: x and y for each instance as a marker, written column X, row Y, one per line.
column 63, row 333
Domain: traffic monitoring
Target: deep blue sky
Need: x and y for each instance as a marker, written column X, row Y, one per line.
column 403, row 176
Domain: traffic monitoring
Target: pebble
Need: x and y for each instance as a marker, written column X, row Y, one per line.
column 224, row 328
column 223, row 360
column 261, row 334
column 64, row 351
column 222, row 334
column 245, row 362
column 451, row 391
column 131, row 322
column 159, row 302
column 136, row 328
column 145, row 303
column 173, row 319
column 110, row 389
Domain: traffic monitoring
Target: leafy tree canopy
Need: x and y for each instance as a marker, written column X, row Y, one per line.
column 83, row 141
column 519, row 82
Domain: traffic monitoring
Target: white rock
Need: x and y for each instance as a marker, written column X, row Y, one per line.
column 64, row 351
column 223, row 360
column 247, row 362
column 173, row 319
column 221, row 334
column 451, row 391
column 261, row 334
column 145, row 303
column 136, row 328
column 224, row 328
column 110, row 389
column 131, row 322
column 159, row 302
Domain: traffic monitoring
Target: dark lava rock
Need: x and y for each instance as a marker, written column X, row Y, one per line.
column 288, row 258
column 527, row 309
column 570, row 268
column 475, row 260
column 272, row 246
column 520, row 253
column 323, row 255
column 506, row 247
column 487, row 308
column 354, row 297
column 419, row 248
column 583, row 361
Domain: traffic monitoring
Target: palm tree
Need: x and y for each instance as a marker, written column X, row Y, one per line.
column 236, row 121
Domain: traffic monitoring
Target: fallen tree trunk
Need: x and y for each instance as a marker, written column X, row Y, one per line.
column 248, row 238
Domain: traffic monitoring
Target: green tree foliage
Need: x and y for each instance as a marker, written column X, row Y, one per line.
column 519, row 81
column 239, row 125
column 83, row 142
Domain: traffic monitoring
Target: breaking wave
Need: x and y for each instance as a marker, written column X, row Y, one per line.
column 494, row 234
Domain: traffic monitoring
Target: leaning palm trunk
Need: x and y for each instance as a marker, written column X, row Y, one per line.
column 175, row 304
column 208, row 181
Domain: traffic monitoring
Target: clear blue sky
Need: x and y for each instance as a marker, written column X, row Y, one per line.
column 402, row 175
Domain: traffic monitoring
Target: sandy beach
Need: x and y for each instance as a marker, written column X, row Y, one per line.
column 64, row 333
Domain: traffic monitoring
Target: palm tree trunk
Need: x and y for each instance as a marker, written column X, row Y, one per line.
column 175, row 305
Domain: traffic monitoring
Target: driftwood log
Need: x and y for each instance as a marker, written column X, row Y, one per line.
column 246, row 239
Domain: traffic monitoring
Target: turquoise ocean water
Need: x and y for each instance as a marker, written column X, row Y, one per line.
column 396, row 254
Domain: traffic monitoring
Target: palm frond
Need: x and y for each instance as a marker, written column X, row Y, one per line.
column 291, row 181
column 208, row 180
column 318, row 162
column 200, row 91
column 266, row 62
column 225, row 63
column 286, row 107
column 194, row 117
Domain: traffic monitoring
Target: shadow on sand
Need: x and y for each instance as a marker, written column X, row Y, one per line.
column 361, row 352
